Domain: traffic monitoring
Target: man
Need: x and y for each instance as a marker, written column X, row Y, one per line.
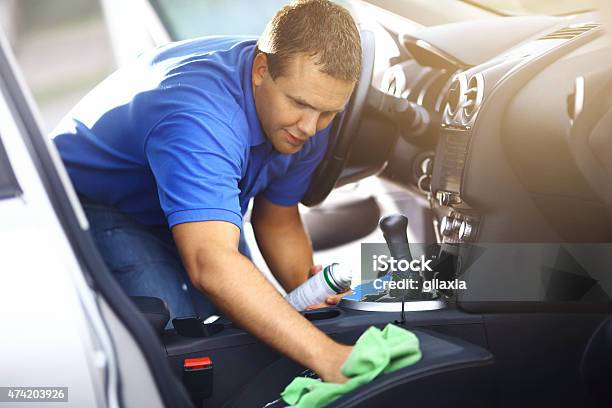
column 167, row 153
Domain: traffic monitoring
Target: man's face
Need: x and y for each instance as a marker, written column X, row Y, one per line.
column 297, row 104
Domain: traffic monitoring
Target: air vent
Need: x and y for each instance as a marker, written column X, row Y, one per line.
column 570, row 32
column 473, row 95
column 463, row 100
column 455, row 95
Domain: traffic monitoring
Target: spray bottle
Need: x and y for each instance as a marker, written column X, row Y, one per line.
column 333, row 279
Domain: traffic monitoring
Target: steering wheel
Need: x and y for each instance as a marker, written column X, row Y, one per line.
column 344, row 129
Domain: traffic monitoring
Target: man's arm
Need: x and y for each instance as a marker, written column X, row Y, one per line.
column 283, row 242
column 209, row 251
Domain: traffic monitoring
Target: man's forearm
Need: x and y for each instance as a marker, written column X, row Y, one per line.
column 286, row 248
column 236, row 286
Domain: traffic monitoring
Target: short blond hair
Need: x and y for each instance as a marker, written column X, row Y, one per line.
column 318, row 28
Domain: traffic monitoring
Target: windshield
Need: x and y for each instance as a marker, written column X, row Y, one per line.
column 548, row 7
column 192, row 18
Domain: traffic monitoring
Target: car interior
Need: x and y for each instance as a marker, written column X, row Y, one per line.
column 486, row 145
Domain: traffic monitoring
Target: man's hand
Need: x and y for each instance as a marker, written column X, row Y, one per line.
column 331, row 300
column 332, row 371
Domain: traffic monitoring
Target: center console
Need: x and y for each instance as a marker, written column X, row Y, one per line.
column 465, row 370
column 249, row 374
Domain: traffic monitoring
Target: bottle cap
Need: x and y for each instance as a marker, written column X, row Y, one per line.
column 342, row 275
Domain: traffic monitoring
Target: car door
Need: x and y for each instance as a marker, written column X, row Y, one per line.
column 47, row 340
column 61, row 340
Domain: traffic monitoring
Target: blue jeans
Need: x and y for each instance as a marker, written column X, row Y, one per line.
column 145, row 261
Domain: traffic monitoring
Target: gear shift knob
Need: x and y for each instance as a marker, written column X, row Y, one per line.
column 394, row 228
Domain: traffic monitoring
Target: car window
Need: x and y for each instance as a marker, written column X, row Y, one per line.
column 194, row 18
column 8, row 183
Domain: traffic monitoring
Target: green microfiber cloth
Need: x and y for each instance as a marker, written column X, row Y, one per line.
column 375, row 352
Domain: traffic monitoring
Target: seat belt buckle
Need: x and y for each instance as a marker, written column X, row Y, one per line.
column 198, row 377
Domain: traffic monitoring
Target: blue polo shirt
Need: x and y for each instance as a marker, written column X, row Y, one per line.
column 175, row 138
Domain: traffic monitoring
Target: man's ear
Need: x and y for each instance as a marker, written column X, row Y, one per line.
column 260, row 68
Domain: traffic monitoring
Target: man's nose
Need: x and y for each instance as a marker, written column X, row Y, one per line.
column 308, row 123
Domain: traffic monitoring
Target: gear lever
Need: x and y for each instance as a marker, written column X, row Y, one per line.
column 394, row 228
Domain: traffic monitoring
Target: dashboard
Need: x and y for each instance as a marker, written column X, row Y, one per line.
column 481, row 119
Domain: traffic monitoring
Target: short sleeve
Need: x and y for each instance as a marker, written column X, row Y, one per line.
column 196, row 160
column 289, row 189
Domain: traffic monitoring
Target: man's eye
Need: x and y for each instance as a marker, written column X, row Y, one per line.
column 299, row 104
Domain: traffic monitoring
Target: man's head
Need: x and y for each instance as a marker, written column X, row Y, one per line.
column 305, row 68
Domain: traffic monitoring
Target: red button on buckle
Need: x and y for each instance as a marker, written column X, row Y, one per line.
column 196, row 363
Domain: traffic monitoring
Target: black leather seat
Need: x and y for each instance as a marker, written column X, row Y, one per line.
column 154, row 310
column 452, row 372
